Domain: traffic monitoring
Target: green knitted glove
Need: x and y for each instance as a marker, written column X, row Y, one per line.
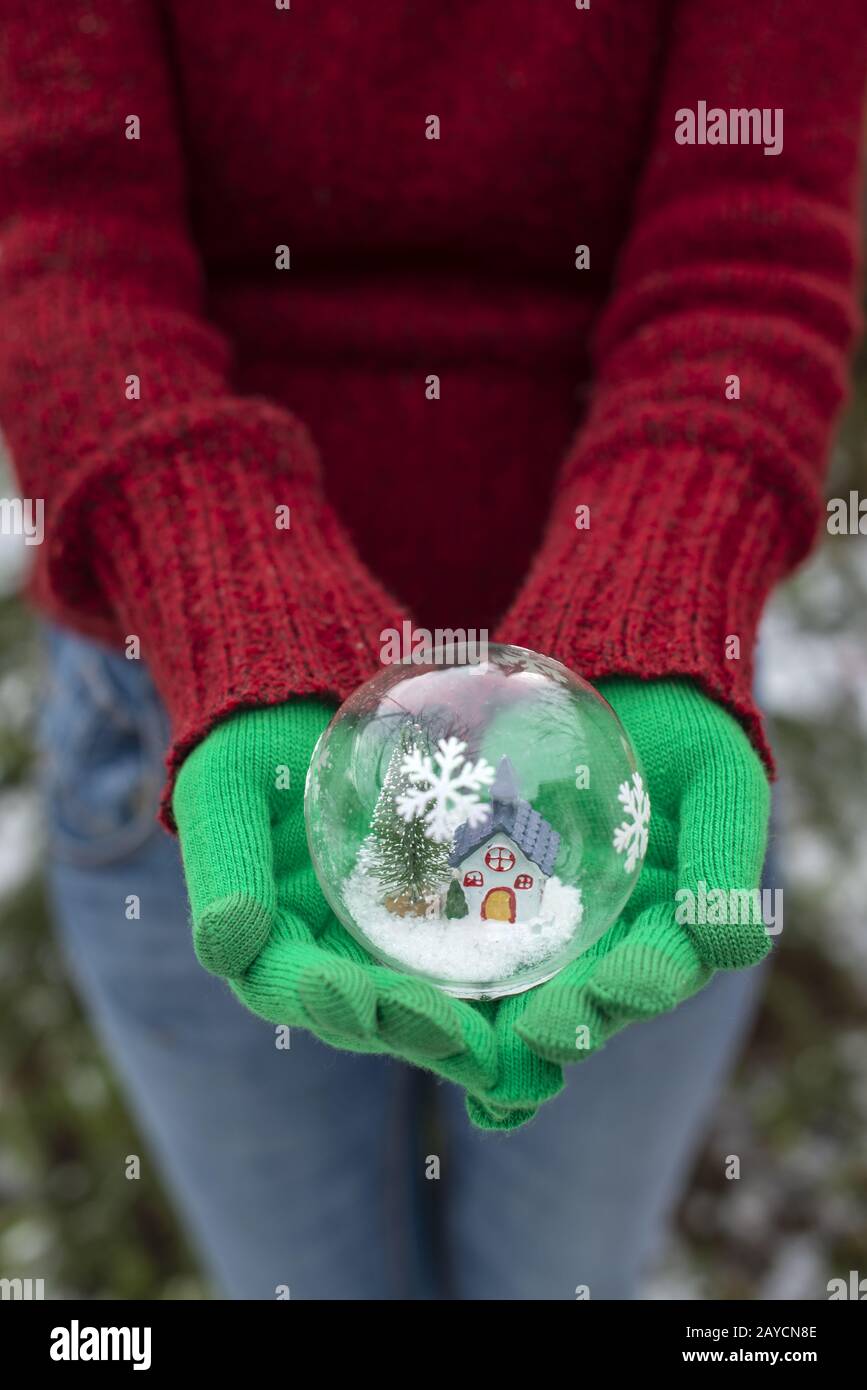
column 710, row 803
column 260, row 920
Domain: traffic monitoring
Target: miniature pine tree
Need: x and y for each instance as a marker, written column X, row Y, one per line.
column 456, row 902
column 408, row 865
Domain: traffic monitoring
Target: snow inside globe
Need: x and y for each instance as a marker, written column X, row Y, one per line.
column 477, row 822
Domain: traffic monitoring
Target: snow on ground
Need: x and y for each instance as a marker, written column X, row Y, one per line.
column 813, row 678
column 20, row 841
column 466, row 950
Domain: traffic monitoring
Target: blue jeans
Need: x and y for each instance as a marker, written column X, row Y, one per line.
column 308, row 1167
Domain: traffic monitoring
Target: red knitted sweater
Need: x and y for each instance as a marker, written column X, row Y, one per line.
column 169, row 377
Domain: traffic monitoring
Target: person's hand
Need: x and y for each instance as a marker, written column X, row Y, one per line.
column 260, row 919
column 710, row 804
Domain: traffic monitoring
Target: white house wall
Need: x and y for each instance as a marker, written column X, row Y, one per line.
column 527, row 900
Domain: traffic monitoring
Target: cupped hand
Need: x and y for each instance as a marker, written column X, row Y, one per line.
column 710, row 803
column 261, row 921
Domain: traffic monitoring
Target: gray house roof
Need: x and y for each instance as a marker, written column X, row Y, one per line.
column 508, row 814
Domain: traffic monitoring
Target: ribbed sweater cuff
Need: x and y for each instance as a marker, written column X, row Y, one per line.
column 231, row 609
column 670, row 577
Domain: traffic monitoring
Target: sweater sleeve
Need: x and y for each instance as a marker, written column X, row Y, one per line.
column 720, row 360
column 161, row 486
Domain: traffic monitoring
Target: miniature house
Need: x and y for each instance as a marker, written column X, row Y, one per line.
column 505, row 861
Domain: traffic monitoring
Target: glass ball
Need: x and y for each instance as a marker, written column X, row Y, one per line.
column 477, row 824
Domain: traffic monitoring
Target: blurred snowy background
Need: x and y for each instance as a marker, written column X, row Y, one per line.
column 795, row 1113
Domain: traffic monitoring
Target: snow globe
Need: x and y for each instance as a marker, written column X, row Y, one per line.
column 478, row 823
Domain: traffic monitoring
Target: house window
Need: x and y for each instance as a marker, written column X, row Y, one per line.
column 473, row 879
column 524, row 881
column 500, row 859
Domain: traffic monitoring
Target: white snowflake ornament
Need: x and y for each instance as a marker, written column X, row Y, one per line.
column 446, row 795
column 631, row 835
